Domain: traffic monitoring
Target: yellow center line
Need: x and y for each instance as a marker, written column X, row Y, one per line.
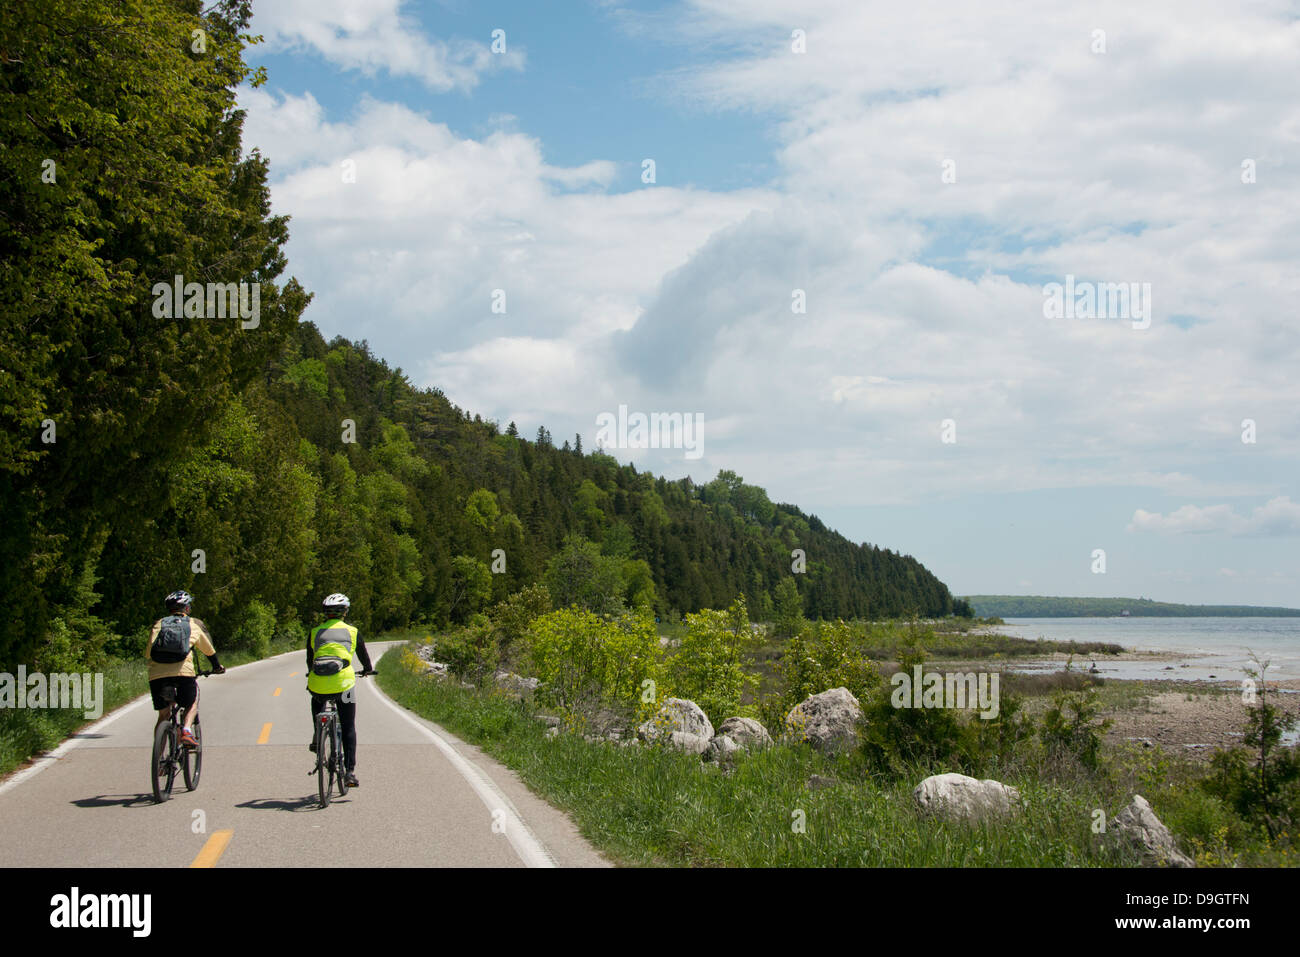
column 294, row 675
column 266, row 733
column 277, row 693
column 213, row 849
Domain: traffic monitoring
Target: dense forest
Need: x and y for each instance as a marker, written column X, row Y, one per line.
column 255, row 464
column 1037, row 606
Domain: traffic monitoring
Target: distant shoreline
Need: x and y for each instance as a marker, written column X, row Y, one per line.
column 1048, row 606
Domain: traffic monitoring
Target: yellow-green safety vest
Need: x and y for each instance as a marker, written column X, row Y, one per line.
column 333, row 639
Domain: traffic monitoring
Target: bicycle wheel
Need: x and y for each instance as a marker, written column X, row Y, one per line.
column 194, row 758
column 324, row 763
column 339, row 773
column 163, row 764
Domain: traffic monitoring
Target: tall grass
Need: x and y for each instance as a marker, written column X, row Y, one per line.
column 24, row 732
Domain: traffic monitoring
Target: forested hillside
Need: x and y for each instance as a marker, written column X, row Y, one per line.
column 330, row 471
column 257, row 465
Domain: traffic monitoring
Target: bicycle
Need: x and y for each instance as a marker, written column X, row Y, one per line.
column 169, row 752
column 329, row 769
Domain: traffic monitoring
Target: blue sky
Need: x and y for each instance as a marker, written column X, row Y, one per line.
column 590, row 89
column 914, row 177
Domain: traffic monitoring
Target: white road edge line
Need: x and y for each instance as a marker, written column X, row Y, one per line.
column 45, row 760
column 530, row 850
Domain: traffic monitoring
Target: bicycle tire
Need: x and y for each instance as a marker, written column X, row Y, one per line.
column 163, row 765
column 339, row 773
column 194, row 758
column 324, row 773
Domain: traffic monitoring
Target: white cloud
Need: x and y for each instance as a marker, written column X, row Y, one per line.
column 924, row 299
column 379, row 35
column 1278, row 516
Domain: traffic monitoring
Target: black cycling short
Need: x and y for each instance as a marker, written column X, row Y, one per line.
column 187, row 691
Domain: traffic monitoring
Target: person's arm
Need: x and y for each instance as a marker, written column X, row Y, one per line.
column 206, row 647
column 153, row 634
column 309, row 654
column 363, row 654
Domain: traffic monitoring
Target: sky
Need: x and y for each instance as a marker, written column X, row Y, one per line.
column 834, row 233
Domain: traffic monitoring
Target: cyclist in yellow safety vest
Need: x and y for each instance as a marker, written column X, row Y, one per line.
column 331, row 647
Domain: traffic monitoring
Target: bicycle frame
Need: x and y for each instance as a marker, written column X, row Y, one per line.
column 170, row 754
column 329, row 768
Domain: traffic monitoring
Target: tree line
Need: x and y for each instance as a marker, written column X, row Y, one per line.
column 1040, row 606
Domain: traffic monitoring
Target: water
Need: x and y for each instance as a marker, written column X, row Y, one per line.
column 1203, row 649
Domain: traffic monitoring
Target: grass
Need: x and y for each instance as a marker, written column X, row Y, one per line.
column 24, row 733
column 656, row 807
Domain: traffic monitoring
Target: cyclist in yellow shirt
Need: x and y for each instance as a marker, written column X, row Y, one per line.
column 171, row 660
column 331, row 647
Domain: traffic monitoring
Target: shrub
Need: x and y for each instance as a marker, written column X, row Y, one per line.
column 472, row 652
column 256, row 627
column 708, row 668
column 293, row 633
column 1262, row 780
column 1070, row 727
column 818, row 657
column 899, row 740
column 1203, row 821
column 585, row 660
column 513, row 615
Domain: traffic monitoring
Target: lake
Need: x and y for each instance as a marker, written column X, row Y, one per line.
column 1206, row 648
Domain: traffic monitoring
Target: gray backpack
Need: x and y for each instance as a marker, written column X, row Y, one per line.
column 173, row 641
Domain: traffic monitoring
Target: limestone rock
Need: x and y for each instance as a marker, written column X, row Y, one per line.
column 956, row 797
column 828, row 721
column 681, row 723
column 1139, row 828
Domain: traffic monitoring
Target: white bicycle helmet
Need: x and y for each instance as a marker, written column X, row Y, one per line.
column 337, row 600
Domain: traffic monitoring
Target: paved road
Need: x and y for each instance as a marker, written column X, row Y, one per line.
column 426, row 799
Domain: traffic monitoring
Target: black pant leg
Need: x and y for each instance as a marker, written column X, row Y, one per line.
column 348, row 717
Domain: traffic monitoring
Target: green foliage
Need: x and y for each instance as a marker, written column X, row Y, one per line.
column 108, row 193
column 618, row 541
column 581, row 576
column 585, row 661
column 471, row 586
column 709, row 666
column 482, row 509
column 820, row 656
column 787, row 608
column 592, row 505
column 310, row 376
column 1071, row 727
column 77, row 639
column 293, row 633
column 513, row 615
column 638, row 585
column 839, row 660
column 1261, row 781
column 256, row 629
column 472, row 653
